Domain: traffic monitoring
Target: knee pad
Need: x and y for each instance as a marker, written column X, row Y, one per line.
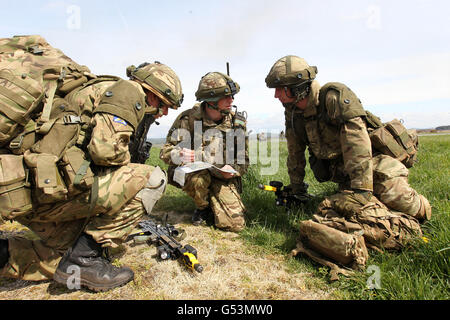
column 154, row 189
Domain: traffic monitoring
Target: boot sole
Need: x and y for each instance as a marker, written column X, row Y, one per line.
column 61, row 278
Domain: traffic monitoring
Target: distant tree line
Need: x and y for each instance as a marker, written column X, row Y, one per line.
column 443, row 128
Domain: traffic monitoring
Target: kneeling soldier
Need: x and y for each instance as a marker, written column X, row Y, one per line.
column 207, row 133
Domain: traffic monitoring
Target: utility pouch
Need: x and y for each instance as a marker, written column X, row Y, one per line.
column 347, row 249
column 332, row 248
column 19, row 97
column 76, row 171
column 394, row 140
column 49, row 185
column 15, row 194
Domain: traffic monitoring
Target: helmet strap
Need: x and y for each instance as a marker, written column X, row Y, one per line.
column 215, row 106
column 298, row 93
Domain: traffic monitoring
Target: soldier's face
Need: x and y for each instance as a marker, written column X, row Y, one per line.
column 283, row 94
column 153, row 100
column 225, row 103
column 162, row 111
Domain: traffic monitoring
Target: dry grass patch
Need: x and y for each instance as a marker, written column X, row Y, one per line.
column 231, row 271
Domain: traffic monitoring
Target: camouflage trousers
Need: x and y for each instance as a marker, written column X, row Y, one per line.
column 347, row 223
column 221, row 195
column 124, row 195
column 391, row 187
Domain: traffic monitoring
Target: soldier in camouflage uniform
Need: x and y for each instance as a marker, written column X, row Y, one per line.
column 330, row 121
column 74, row 232
column 213, row 133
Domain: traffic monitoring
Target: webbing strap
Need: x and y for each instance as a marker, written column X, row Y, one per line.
column 81, row 172
column 49, row 102
column 28, row 87
column 15, row 97
column 94, row 194
column 11, row 114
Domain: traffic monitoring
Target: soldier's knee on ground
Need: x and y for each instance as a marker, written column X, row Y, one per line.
column 425, row 209
column 227, row 206
column 154, row 189
column 197, row 186
column 391, row 186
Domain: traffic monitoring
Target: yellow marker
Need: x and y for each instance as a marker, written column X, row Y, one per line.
column 191, row 261
column 267, row 188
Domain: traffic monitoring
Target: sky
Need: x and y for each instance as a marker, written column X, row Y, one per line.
column 395, row 55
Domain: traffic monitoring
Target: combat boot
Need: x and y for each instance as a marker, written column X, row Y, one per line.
column 200, row 216
column 95, row 271
column 424, row 213
column 4, row 254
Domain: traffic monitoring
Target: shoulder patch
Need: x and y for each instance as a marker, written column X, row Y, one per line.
column 120, row 120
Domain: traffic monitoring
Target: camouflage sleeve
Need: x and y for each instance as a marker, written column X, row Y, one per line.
column 242, row 157
column 177, row 138
column 357, row 154
column 296, row 161
column 109, row 141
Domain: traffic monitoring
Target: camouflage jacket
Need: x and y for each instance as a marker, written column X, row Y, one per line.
column 209, row 139
column 118, row 107
column 334, row 130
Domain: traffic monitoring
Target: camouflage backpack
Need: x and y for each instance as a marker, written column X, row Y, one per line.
column 393, row 139
column 346, row 224
column 37, row 125
column 32, row 75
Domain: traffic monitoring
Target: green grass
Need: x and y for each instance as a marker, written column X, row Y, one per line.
column 419, row 272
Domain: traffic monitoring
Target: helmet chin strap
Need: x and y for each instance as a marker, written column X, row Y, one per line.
column 215, row 106
column 298, row 95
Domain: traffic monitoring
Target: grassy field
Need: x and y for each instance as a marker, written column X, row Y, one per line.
column 256, row 263
column 419, row 272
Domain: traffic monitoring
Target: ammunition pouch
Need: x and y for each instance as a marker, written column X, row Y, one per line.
column 15, row 193
column 48, row 184
column 76, row 172
column 331, row 247
column 394, row 140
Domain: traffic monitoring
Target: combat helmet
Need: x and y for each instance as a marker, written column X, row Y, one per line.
column 292, row 72
column 159, row 79
column 213, row 86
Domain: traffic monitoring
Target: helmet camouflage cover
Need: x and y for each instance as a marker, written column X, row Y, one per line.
column 290, row 71
column 159, row 79
column 215, row 85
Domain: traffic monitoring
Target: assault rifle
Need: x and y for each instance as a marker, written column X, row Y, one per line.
column 167, row 246
column 284, row 195
column 139, row 146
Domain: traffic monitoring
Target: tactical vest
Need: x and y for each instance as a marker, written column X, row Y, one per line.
column 322, row 126
column 323, row 123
